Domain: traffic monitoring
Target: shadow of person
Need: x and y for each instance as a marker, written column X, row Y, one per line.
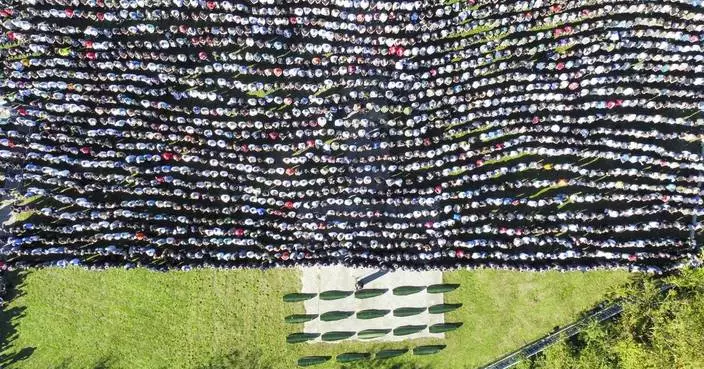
column 10, row 316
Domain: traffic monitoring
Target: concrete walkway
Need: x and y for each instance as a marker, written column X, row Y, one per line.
column 341, row 278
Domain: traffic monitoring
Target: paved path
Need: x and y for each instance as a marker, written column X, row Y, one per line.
column 342, row 278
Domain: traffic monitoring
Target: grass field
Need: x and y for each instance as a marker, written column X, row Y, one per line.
column 139, row 319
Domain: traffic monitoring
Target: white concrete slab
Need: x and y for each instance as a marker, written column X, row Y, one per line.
column 322, row 279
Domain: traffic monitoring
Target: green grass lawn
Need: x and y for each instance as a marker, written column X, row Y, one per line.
column 139, row 319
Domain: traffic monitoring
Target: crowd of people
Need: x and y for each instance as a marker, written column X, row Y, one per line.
column 526, row 135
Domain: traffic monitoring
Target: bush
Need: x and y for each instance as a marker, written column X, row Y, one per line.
column 656, row 330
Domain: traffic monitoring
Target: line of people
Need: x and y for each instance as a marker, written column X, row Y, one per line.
column 399, row 134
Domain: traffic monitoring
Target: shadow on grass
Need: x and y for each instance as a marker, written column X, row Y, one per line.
column 236, row 360
column 9, row 319
column 102, row 363
column 384, row 364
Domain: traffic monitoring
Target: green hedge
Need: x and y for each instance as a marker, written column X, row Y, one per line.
column 444, row 327
column 334, row 295
column 312, row 360
column 371, row 314
column 295, row 297
column 301, row 337
column 443, row 308
column 369, row 293
column 407, row 290
column 335, row 315
column 428, row 350
column 408, row 311
column 368, row 334
column 349, row 357
column 300, row 318
column 442, row 288
column 337, row 335
column 408, row 329
column 387, row 354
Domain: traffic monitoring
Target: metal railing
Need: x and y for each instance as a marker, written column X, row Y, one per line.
column 541, row 344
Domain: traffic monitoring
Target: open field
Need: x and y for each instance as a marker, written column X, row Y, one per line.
column 138, row 319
